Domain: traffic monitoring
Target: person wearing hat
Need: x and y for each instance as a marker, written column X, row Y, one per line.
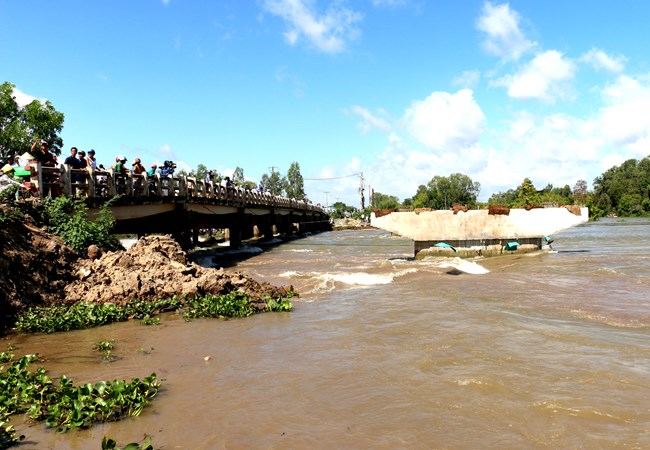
column 91, row 162
column 82, row 159
column 7, row 179
column 152, row 172
column 120, row 168
column 119, row 172
column 138, row 168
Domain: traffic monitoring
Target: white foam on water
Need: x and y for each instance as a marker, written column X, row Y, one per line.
column 350, row 278
column 244, row 250
column 464, row 266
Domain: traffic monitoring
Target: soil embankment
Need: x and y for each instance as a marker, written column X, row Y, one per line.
column 38, row 269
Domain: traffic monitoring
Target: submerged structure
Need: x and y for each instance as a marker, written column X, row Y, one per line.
column 485, row 232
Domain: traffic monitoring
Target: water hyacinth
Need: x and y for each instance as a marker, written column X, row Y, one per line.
column 63, row 405
column 86, row 315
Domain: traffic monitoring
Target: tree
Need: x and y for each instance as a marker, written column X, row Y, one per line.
column 200, row 173
column 580, row 192
column 443, row 192
column 526, row 193
column 504, row 198
column 383, row 201
column 238, row 176
column 274, row 183
column 617, row 189
column 295, row 186
column 20, row 126
column 340, row 210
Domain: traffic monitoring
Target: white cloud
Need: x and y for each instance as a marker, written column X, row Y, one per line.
column 24, row 99
column 546, row 78
column 504, row 36
column 328, row 32
column 602, row 61
column 468, row 79
column 445, row 121
column 370, row 121
column 625, row 121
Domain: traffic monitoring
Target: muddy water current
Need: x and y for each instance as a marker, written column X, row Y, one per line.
column 538, row 351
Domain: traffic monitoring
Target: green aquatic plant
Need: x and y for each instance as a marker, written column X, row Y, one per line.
column 6, row 357
column 150, row 321
column 110, row 444
column 233, row 304
column 63, row 405
column 86, row 315
column 105, row 345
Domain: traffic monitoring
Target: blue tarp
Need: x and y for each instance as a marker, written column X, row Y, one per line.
column 444, row 245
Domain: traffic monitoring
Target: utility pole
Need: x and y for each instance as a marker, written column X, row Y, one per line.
column 361, row 189
column 273, row 168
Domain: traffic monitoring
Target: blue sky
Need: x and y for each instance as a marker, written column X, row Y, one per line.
column 399, row 90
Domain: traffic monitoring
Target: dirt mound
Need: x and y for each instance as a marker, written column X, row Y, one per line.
column 496, row 210
column 38, row 269
column 156, row 267
column 35, row 266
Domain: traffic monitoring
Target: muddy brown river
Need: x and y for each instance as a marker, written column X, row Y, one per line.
column 381, row 351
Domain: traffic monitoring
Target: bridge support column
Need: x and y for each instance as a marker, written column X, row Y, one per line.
column 234, row 233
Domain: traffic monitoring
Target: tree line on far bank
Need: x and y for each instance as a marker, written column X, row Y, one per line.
column 622, row 190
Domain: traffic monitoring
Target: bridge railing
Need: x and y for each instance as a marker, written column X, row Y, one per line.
column 105, row 184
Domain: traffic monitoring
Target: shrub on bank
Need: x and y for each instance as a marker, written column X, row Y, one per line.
column 68, row 218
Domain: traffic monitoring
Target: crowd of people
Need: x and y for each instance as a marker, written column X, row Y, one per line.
column 79, row 161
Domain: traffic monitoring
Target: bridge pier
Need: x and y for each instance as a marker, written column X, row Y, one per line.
column 234, row 235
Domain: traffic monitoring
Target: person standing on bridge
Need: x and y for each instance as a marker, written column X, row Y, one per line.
column 119, row 172
column 91, row 162
column 138, row 168
column 42, row 154
column 72, row 160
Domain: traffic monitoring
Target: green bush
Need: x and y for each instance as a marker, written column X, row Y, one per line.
column 68, row 218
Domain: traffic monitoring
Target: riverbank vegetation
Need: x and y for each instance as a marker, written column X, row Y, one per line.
column 62, row 405
column 78, row 316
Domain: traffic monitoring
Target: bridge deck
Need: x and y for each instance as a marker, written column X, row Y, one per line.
column 178, row 204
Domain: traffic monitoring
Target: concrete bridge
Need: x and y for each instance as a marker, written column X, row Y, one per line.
column 179, row 205
column 479, row 232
